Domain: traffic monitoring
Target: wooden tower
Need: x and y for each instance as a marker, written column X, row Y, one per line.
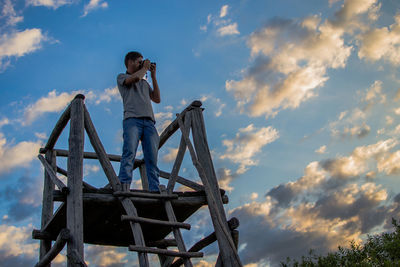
column 136, row 219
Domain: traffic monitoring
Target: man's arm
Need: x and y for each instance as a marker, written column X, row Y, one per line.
column 138, row 75
column 155, row 94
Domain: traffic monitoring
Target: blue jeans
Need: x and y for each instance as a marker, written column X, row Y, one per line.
column 142, row 129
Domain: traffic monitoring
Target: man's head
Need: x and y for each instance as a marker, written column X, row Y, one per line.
column 132, row 56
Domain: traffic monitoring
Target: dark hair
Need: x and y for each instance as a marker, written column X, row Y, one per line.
column 133, row 55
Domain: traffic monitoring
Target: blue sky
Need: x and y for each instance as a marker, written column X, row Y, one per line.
column 301, row 106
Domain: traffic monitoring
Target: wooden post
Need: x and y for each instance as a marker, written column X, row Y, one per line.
column 62, row 238
column 226, row 245
column 143, row 176
column 75, row 176
column 47, row 203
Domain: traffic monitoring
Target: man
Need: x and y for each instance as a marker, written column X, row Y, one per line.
column 138, row 123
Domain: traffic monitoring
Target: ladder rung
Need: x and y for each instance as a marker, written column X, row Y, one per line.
column 166, row 252
column 162, row 243
column 155, row 221
column 144, row 195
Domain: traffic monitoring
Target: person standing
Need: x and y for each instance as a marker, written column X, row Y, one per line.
column 138, row 121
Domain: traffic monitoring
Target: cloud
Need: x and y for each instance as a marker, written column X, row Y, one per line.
column 8, row 12
column 171, row 155
column 350, row 124
column 93, row 5
column 290, row 60
column 247, row 143
column 18, row 155
column 50, row 103
column 320, row 210
column 19, row 43
column 103, row 256
column 321, row 150
column 17, row 242
column 230, row 29
column 88, row 169
column 381, row 43
column 108, row 95
column 49, row 3
column 224, row 11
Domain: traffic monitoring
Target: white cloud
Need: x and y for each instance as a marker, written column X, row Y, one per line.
column 94, row 4
column 4, row 121
column 382, row 43
column 171, row 155
column 18, row 44
column 247, row 143
column 230, row 29
column 108, row 95
column 50, row 103
column 16, row 241
column 19, row 155
column 105, row 256
column 321, row 150
column 89, row 169
column 49, row 3
column 8, row 12
column 224, row 11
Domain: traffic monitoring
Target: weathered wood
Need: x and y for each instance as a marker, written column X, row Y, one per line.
column 179, row 156
column 208, row 240
column 61, row 240
column 145, row 195
column 75, row 176
column 101, row 153
column 136, row 230
column 166, row 252
column 53, row 176
column 39, row 234
column 183, row 181
column 143, row 176
column 163, row 243
column 174, row 126
column 102, row 198
column 85, row 185
column 60, row 125
column 154, row 221
column 204, row 165
column 177, row 233
column 76, row 259
column 235, row 238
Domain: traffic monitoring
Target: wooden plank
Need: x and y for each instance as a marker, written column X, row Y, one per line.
column 47, row 203
column 166, row 252
column 143, row 176
column 85, row 185
column 75, row 176
column 163, row 243
column 177, row 233
column 145, row 195
column 179, row 157
column 208, row 177
column 136, row 230
column 61, row 240
column 53, row 176
column 154, row 221
column 60, row 125
column 183, row 181
column 101, row 153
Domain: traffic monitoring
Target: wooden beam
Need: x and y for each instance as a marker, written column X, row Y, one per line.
column 163, row 243
column 203, row 163
column 53, row 176
column 145, row 195
column 47, row 203
column 154, row 221
column 179, row 156
column 61, row 240
column 183, row 181
column 60, row 125
column 75, row 176
column 166, row 252
column 208, row 240
column 85, row 185
column 143, row 176
column 174, row 126
column 76, row 259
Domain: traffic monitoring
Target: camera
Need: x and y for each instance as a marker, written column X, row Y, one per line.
column 151, row 63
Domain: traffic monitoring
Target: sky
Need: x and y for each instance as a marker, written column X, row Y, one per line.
column 301, row 106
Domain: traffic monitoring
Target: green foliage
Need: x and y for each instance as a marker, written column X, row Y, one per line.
column 378, row 250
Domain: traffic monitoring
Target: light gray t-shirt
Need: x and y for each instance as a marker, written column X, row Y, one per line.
column 136, row 98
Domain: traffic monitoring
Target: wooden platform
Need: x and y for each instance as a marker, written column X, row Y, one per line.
column 102, row 216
